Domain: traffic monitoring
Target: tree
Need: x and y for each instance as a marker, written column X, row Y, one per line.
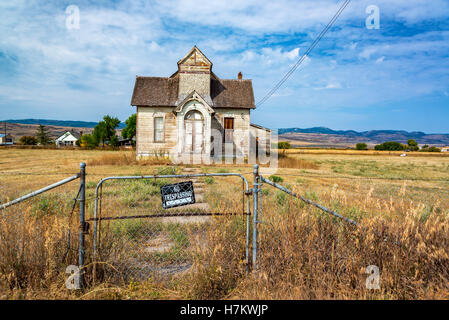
column 114, row 141
column 28, row 140
column 412, row 145
column 105, row 129
column 100, row 134
column 361, row 146
column 88, row 141
column 390, row 146
column 129, row 131
column 284, row 145
column 42, row 135
column 426, row 148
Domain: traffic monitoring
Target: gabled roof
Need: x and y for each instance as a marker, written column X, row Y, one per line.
column 163, row 92
column 196, row 51
column 67, row 133
column 155, row 91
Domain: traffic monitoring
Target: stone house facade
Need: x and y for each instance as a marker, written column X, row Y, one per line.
column 195, row 113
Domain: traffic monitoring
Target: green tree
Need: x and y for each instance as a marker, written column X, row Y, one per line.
column 100, row 134
column 42, row 135
column 114, row 141
column 129, row 131
column 412, row 145
column 390, row 146
column 28, row 140
column 88, row 141
column 361, row 146
column 284, row 145
column 105, row 129
column 426, row 148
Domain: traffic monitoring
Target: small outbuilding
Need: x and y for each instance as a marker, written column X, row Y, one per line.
column 6, row 139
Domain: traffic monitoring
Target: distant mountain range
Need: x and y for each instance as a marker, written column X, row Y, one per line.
column 312, row 137
column 59, row 123
column 322, row 135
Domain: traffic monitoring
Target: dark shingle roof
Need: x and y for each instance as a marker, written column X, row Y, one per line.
column 225, row 93
column 155, row 91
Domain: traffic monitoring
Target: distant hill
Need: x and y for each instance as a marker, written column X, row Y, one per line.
column 322, row 136
column 59, row 123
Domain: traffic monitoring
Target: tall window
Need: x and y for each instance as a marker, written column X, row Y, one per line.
column 159, row 129
column 229, row 129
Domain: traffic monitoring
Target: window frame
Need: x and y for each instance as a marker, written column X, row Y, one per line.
column 231, row 131
column 162, row 130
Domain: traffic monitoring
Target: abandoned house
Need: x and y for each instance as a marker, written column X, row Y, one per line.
column 194, row 112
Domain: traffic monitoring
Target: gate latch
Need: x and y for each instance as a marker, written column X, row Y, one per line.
column 85, row 227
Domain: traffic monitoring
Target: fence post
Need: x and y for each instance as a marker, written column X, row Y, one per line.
column 82, row 201
column 255, row 209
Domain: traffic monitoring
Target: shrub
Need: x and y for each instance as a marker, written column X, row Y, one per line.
column 209, row 180
column 361, row 146
column 275, row 179
column 390, row 146
column 28, row 140
column 284, row 145
column 426, row 148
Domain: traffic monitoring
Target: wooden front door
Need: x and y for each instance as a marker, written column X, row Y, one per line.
column 193, row 132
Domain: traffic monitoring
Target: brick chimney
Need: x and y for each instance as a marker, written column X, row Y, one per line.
column 240, row 76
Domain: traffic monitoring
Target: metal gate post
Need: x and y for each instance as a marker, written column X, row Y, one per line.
column 255, row 211
column 82, row 201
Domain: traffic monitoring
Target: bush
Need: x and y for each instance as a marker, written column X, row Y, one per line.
column 361, row 146
column 284, row 145
column 88, row 141
column 426, row 148
column 412, row 145
column 28, row 140
column 275, row 179
column 390, row 146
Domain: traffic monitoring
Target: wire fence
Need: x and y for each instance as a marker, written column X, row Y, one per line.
column 134, row 228
column 143, row 233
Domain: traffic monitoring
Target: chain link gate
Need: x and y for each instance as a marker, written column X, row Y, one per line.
column 139, row 236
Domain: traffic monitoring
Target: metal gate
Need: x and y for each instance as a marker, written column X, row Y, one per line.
column 138, row 238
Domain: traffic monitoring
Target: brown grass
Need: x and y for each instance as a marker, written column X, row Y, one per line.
column 120, row 159
column 295, row 163
column 364, row 152
column 304, row 253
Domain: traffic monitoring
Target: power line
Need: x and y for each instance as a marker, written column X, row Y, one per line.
column 305, row 55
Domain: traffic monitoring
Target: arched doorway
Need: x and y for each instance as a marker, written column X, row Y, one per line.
column 194, row 132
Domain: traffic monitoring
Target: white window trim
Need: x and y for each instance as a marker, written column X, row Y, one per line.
column 156, row 115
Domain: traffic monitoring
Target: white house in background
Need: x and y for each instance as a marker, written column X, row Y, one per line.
column 68, row 139
column 6, row 139
column 445, row 149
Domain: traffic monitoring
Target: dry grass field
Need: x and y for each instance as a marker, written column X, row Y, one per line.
column 400, row 203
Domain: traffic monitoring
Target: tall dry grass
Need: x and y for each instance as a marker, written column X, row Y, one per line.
column 285, row 161
column 307, row 254
column 304, row 253
column 34, row 252
column 127, row 158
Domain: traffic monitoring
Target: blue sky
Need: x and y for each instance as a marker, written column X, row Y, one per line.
column 395, row 77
